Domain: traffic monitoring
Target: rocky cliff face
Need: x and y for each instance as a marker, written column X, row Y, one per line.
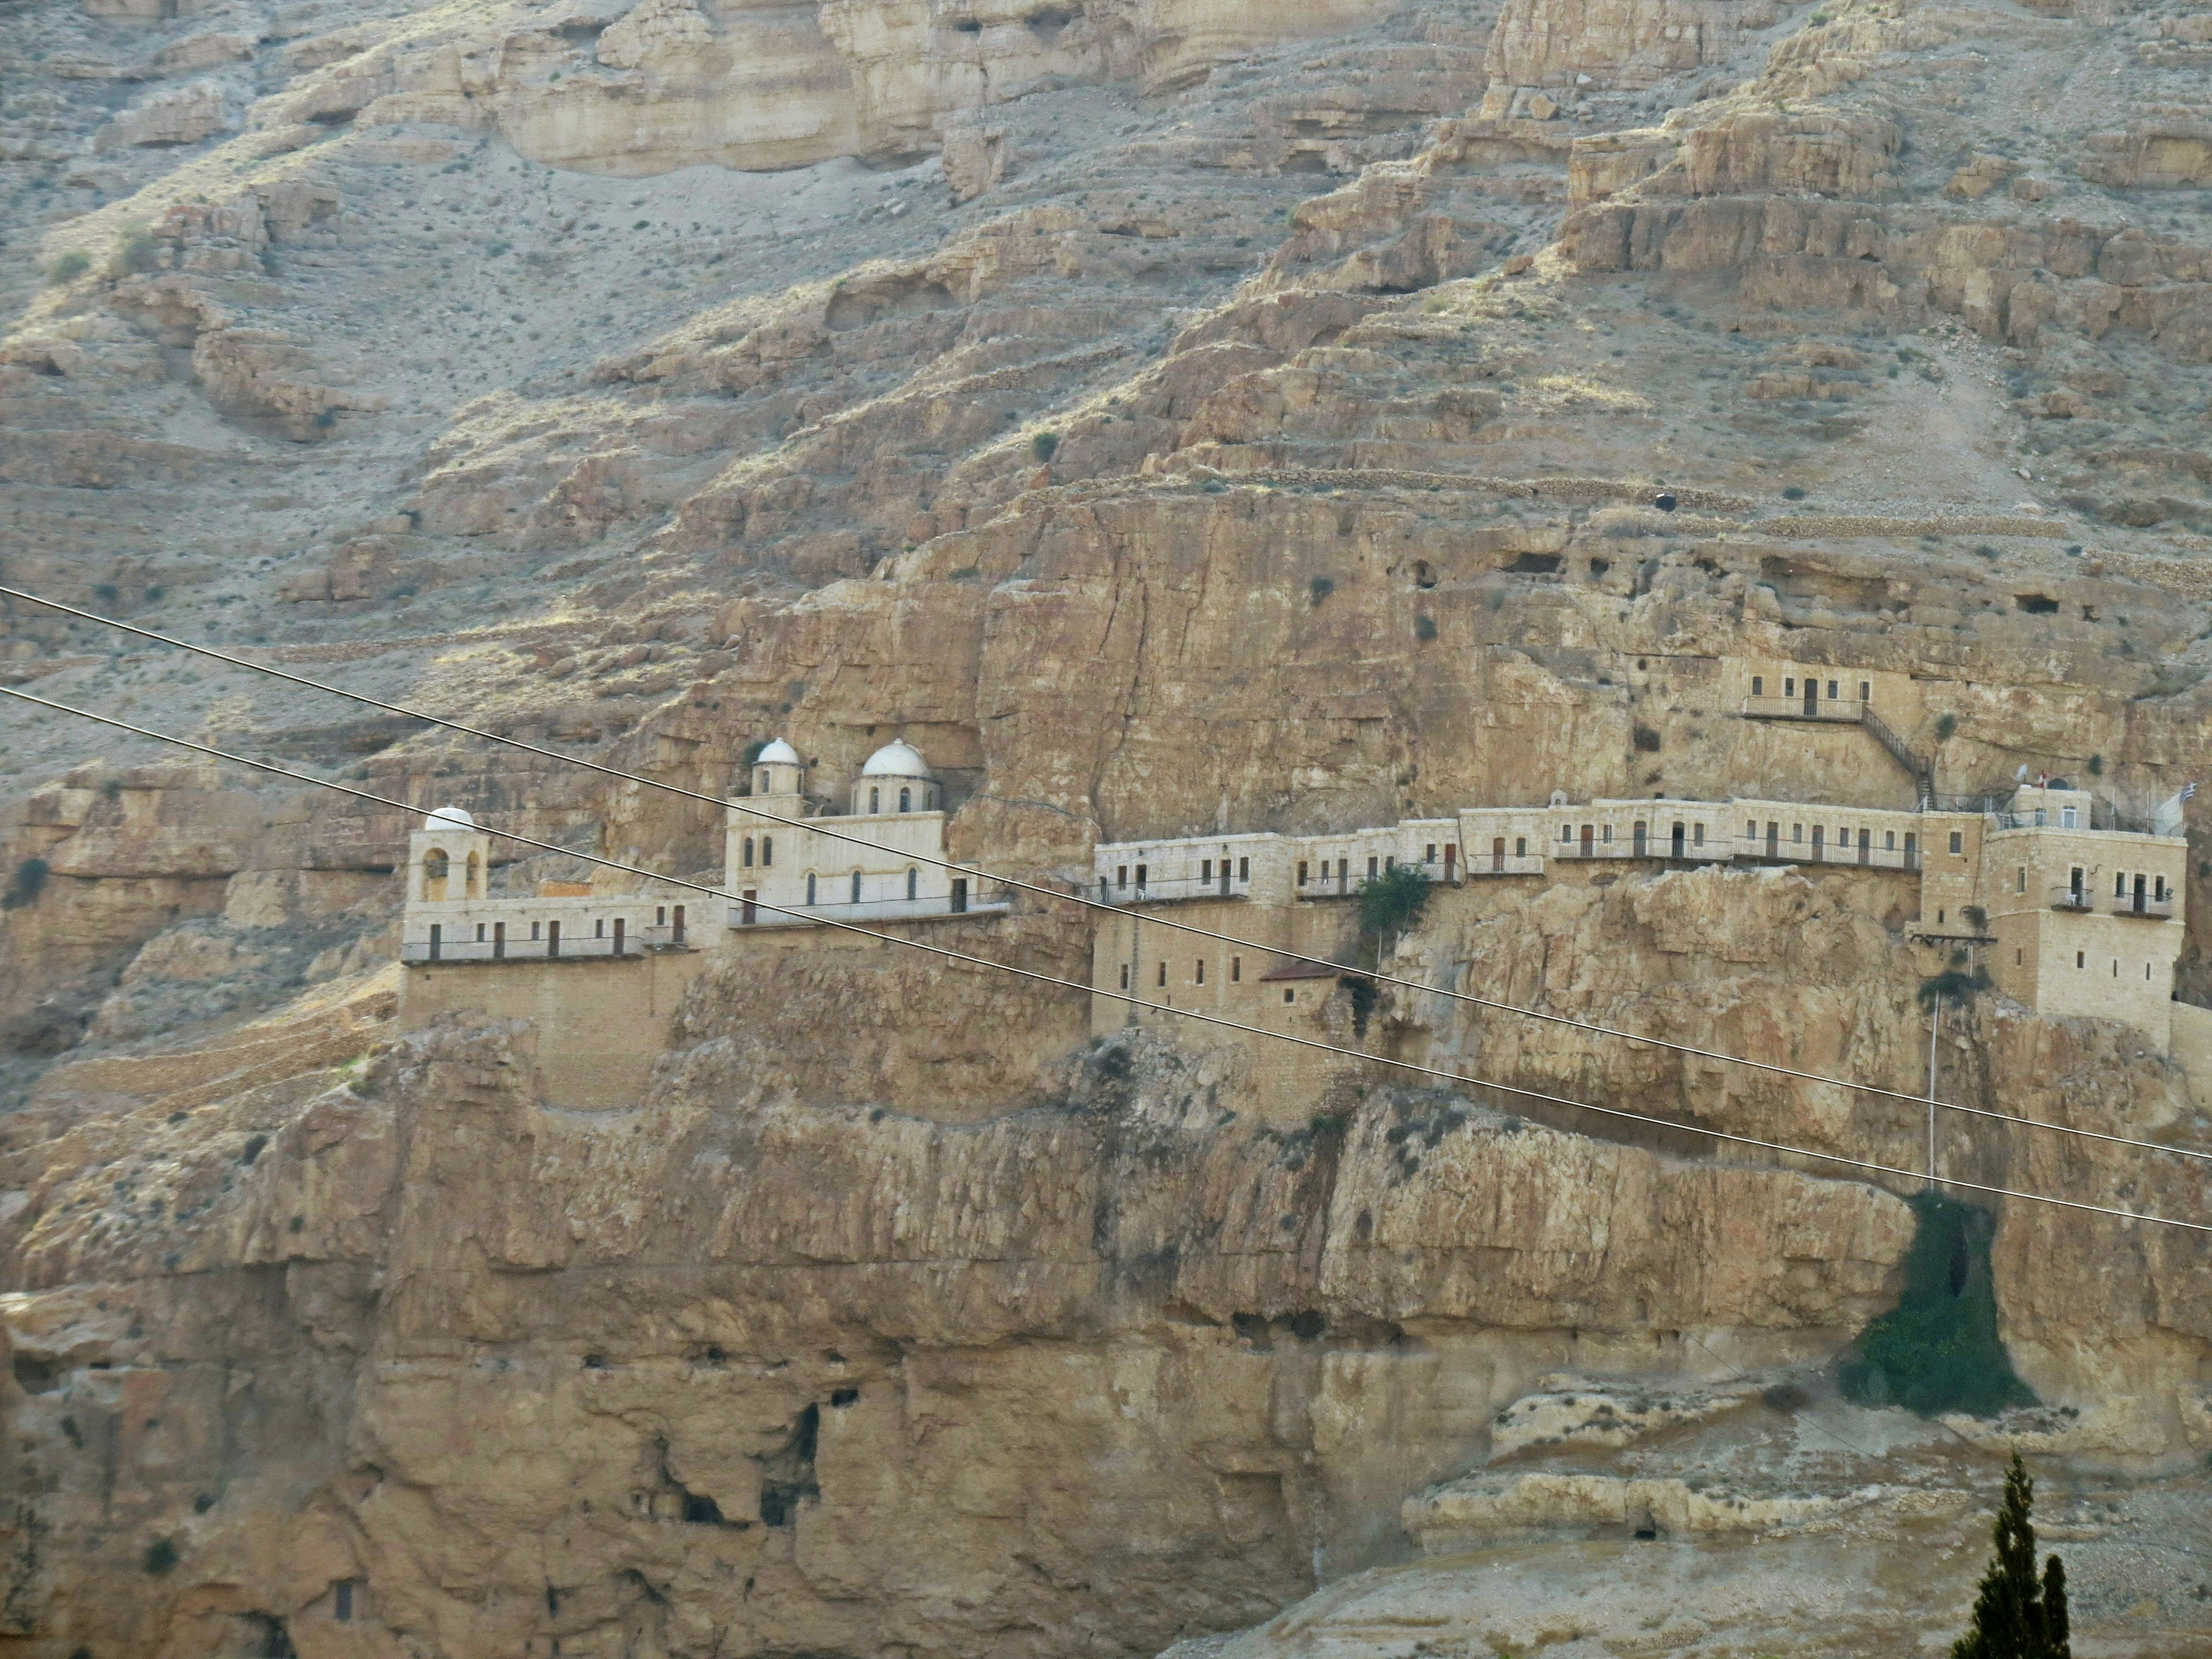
column 1172, row 417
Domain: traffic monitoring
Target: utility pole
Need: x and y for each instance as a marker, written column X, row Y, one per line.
column 1934, row 1025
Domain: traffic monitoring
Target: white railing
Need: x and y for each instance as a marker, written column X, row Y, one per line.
column 2136, row 904
column 1502, row 863
column 1804, row 852
column 759, row 915
column 1172, row 888
column 565, row 949
column 1798, row 708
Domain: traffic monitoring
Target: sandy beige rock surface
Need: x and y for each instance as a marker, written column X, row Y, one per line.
column 1173, row 416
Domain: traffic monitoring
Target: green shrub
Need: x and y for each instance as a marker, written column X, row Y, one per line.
column 68, row 267
column 1045, row 446
column 136, row 251
column 1320, row 587
column 1393, row 900
column 161, row 1556
column 1945, row 726
column 1938, row 1350
column 1795, row 493
column 30, row 878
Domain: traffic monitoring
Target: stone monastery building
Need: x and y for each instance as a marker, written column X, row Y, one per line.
column 2072, row 912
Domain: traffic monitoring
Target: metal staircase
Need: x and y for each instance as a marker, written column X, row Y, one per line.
column 1923, row 772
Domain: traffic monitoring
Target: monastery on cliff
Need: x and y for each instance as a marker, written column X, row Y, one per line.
column 2072, row 912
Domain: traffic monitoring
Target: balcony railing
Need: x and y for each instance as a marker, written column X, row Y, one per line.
column 1504, row 864
column 1805, row 852
column 1845, row 710
column 1172, row 890
column 566, row 949
column 2072, row 898
column 2142, row 905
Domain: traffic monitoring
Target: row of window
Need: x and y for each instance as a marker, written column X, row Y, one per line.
column 876, row 798
column 1197, row 973
column 1812, row 688
column 548, row 933
column 2125, row 884
column 813, row 887
column 1844, row 838
column 767, row 852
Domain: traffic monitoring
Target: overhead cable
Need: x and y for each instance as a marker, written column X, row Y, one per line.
column 1033, row 974
column 821, row 826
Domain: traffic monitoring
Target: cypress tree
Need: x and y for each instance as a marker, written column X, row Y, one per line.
column 2014, row 1616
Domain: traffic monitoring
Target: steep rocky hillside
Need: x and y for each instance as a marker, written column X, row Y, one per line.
column 1173, row 415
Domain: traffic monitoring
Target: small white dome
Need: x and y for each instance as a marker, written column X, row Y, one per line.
column 777, row 753
column 449, row 815
column 896, row 760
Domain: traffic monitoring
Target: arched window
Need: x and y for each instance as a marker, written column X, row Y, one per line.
column 810, row 887
column 767, row 850
column 748, row 858
column 912, row 883
column 906, row 800
column 875, row 800
column 856, row 886
column 763, row 780
column 434, row 866
column 475, row 886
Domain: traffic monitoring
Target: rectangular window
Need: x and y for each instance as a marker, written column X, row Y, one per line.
column 1205, row 869
column 660, row 916
column 1698, row 835
column 1889, row 841
column 480, row 927
column 1566, row 832
column 1124, row 976
column 1797, row 832
column 342, row 1601
column 1750, row 828
column 1121, row 875
column 2078, row 957
column 1832, row 690
column 599, row 928
column 1521, row 847
column 1236, row 970
column 533, row 930
column 1389, row 861
column 1759, row 685
column 1608, row 833
column 1911, row 840
column 2019, row 879
column 1372, row 862
column 1243, row 869
column 1866, row 692
column 1790, row 688
column 1429, row 853
column 2120, row 883
column 1958, row 841
column 1199, row 974
column 1163, row 976
column 2018, row 958
column 2066, row 817
column 1302, row 873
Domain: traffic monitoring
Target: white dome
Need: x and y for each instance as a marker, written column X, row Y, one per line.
column 449, row 815
column 777, row 753
column 896, row 760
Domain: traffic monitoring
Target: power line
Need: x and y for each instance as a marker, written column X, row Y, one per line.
column 1033, row 974
column 819, row 826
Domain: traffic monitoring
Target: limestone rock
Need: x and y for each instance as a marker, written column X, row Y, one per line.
column 178, row 115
